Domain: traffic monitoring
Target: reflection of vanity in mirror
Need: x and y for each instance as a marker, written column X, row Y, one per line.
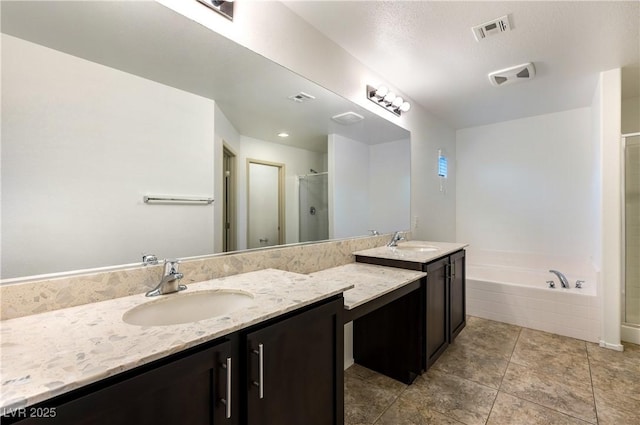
column 99, row 113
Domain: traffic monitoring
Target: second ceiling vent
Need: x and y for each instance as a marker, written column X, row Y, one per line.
column 515, row 74
column 494, row 27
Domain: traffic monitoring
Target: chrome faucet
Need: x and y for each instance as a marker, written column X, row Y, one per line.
column 563, row 280
column 169, row 282
column 149, row 259
column 397, row 237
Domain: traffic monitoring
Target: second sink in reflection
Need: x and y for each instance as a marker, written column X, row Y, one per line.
column 416, row 246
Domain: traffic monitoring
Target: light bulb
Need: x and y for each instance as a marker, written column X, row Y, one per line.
column 381, row 92
column 405, row 107
column 390, row 97
column 397, row 102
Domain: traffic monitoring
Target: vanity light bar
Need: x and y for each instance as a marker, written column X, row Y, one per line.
column 225, row 8
column 176, row 200
column 381, row 96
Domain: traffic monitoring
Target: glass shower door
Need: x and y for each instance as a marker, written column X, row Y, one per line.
column 632, row 230
column 314, row 207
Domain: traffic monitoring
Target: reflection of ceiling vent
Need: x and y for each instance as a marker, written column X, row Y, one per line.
column 347, row 118
column 491, row 28
column 523, row 72
column 301, row 97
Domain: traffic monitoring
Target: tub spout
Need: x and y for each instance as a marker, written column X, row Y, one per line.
column 563, row 280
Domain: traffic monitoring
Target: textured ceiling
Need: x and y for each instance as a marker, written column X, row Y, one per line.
column 426, row 49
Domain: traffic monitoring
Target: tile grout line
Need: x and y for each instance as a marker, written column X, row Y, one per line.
column 390, row 404
column 552, row 409
column 505, row 372
column 593, row 390
column 541, row 405
column 592, row 362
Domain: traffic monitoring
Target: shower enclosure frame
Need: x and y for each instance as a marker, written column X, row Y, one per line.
column 300, row 179
column 630, row 332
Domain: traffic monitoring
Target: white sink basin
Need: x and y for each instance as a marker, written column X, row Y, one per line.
column 173, row 309
column 416, row 246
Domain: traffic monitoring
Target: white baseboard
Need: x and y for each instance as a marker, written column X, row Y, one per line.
column 616, row 347
column 630, row 334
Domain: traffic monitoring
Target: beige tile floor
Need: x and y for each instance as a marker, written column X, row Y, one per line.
column 495, row 374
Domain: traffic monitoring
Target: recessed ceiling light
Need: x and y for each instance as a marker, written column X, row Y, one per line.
column 283, row 134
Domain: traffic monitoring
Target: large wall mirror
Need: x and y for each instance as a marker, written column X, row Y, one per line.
column 104, row 103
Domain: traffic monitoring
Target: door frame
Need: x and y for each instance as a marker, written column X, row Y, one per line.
column 229, row 204
column 281, row 196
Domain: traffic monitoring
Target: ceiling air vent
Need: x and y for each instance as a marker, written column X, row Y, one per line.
column 491, row 28
column 523, row 72
column 347, row 118
column 301, row 97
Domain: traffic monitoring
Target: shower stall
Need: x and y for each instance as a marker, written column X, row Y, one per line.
column 631, row 211
column 313, row 207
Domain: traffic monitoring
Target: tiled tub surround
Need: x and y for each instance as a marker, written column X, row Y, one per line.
column 511, row 288
column 48, row 354
column 48, row 294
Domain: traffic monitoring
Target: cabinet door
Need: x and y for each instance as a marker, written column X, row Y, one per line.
column 295, row 372
column 436, row 310
column 184, row 391
column 457, row 294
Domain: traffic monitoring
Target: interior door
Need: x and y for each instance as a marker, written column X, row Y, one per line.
column 264, row 210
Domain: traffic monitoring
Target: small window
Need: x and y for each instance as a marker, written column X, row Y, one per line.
column 442, row 166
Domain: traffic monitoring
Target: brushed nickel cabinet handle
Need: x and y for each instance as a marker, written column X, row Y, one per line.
column 260, row 383
column 228, row 387
column 227, row 401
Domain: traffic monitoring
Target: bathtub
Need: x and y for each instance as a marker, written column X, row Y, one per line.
column 512, row 288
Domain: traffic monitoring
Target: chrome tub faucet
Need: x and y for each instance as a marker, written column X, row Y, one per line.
column 563, row 280
column 170, row 280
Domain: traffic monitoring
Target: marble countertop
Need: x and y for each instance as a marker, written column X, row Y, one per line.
column 408, row 251
column 48, row 354
column 370, row 281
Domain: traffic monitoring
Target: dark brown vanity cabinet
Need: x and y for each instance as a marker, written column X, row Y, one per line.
column 444, row 310
column 190, row 389
column 287, row 370
column 387, row 336
column 445, row 304
column 436, row 310
column 457, row 294
column 295, row 369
